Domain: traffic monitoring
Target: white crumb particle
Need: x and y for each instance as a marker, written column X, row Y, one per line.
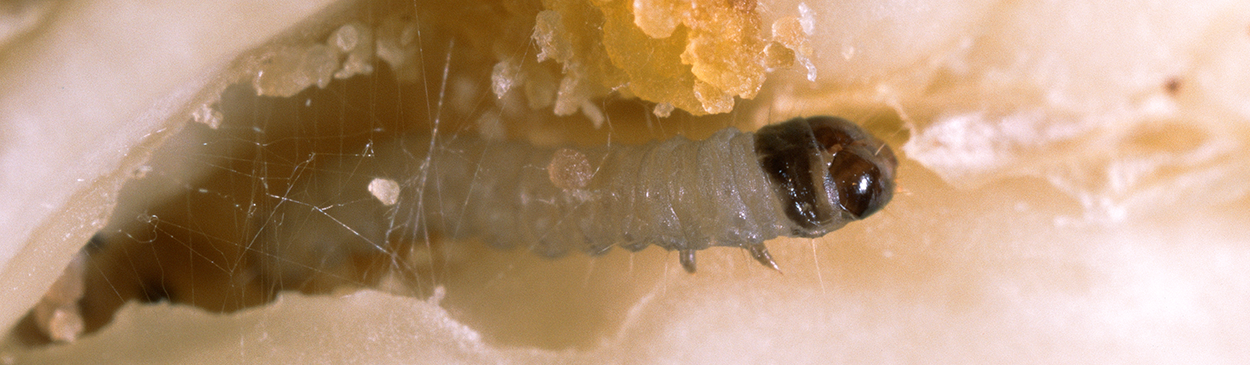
column 567, row 96
column 289, row 70
column 57, row 314
column 440, row 292
column 385, row 190
column 346, row 38
column 355, row 39
column 393, row 42
column 806, row 18
column 592, row 111
column 503, row 77
column 811, row 69
column 208, row 115
column 663, row 110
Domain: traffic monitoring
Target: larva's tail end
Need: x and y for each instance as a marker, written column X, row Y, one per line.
column 760, row 253
column 687, row 260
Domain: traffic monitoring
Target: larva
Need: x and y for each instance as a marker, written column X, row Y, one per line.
column 802, row 178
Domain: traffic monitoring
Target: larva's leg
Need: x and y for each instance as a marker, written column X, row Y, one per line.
column 760, row 253
column 687, row 260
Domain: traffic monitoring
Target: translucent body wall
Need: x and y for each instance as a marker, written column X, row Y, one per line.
column 1072, row 180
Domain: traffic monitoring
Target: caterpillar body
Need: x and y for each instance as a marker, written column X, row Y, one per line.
column 802, row 178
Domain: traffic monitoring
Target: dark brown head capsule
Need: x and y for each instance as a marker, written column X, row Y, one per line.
column 827, row 171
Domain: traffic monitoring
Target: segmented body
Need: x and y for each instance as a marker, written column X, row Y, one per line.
column 804, row 178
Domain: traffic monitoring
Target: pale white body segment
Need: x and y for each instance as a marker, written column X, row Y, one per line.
column 733, row 189
column 677, row 194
